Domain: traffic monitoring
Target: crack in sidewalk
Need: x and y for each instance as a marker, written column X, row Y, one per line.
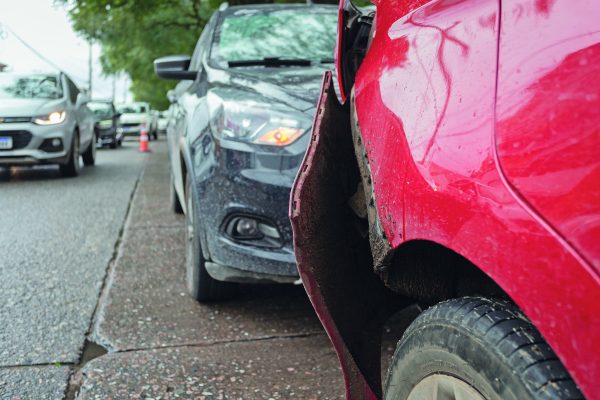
column 78, row 375
column 52, row 364
column 210, row 343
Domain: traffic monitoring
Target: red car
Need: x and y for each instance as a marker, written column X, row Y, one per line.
column 460, row 173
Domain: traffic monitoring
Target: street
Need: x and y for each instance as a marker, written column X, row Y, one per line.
column 94, row 264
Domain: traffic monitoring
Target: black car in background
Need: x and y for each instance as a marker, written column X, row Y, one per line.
column 239, row 131
column 107, row 125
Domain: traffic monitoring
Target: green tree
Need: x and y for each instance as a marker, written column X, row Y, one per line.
column 135, row 32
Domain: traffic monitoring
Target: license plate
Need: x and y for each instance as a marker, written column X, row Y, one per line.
column 6, row 143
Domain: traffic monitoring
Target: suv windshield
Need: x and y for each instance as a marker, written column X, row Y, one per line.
column 101, row 110
column 29, row 87
column 254, row 34
column 131, row 109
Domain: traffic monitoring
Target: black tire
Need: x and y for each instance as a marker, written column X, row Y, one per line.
column 200, row 284
column 89, row 155
column 484, row 344
column 114, row 144
column 71, row 168
column 155, row 135
column 175, row 205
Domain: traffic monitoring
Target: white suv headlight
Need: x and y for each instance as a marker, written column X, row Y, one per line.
column 54, row 118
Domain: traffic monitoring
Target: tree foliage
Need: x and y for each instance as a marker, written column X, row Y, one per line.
column 135, row 32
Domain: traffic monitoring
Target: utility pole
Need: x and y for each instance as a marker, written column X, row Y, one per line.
column 125, row 89
column 114, row 87
column 90, row 68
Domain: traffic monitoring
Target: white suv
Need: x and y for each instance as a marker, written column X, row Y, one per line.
column 135, row 116
column 44, row 119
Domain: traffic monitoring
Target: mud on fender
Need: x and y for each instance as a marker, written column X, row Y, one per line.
column 333, row 251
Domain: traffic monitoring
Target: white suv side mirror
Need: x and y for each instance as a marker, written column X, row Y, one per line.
column 82, row 99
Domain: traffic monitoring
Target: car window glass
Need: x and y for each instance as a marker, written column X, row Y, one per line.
column 131, row 108
column 101, row 110
column 302, row 33
column 29, row 87
column 73, row 91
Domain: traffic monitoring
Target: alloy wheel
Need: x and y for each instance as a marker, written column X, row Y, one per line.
column 443, row 387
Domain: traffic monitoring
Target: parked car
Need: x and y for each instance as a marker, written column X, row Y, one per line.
column 107, row 127
column 136, row 116
column 241, row 128
column 44, row 119
column 162, row 122
column 461, row 175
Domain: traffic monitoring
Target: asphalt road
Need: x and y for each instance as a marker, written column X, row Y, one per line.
column 57, row 237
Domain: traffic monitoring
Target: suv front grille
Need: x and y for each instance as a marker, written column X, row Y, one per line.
column 14, row 120
column 20, row 139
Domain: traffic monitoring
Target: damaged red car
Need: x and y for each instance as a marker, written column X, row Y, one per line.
column 457, row 169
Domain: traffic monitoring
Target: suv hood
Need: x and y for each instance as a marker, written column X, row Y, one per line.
column 298, row 88
column 28, row 107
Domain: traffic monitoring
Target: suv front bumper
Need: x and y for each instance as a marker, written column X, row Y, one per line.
column 236, row 180
column 32, row 144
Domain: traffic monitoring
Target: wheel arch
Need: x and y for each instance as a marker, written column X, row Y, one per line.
column 76, row 133
column 430, row 272
column 183, row 163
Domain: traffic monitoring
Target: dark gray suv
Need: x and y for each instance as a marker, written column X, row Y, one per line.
column 240, row 130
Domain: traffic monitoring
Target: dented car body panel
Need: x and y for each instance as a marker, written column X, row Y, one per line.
column 476, row 123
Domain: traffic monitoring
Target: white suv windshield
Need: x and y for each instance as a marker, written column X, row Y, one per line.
column 29, row 87
column 132, row 109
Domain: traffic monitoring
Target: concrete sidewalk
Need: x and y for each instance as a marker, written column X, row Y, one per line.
column 265, row 344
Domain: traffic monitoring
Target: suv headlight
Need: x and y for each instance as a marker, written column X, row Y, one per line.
column 53, row 118
column 255, row 122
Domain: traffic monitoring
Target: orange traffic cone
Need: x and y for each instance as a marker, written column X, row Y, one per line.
column 144, row 141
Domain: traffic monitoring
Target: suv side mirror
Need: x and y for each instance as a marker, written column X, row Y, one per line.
column 117, row 115
column 82, row 99
column 174, row 67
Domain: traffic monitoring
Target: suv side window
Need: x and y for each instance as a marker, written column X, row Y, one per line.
column 202, row 45
column 73, row 90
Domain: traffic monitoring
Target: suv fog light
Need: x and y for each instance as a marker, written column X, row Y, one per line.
column 246, row 227
column 52, row 145
column 254, row 231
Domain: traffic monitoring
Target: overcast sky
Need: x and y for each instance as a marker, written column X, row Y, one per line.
column 46, row 27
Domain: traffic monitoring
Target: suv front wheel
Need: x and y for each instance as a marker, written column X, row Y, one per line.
column 89, row 155
column 201, row 285
column 71, row 167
